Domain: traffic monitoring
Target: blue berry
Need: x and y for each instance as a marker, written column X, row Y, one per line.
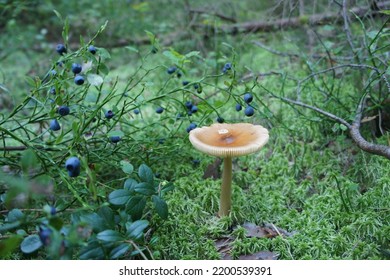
column 220, row 119
column 63, row 110
column 53, row 73
column 238, row 107
column 136, row 111
column 115, row 139
column 191, row 127
column 54, row 125
column 44, row 235
column 171, row 70
column 61, row 49
column 248, row 97
column 188, row 105
column 53, row 210
column 184, row 83
column 109, row 114
column 92, row 49
column 72, row 164
column 179, row 74
column 249, row 111
column 52, row 90
column 76, row 68
column 196, row 161
column 194, row 109
column 227, row 67
column 159, row 110
column 79, row 80
column 196, row 86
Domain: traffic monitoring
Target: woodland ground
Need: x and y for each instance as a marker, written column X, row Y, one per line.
column 310, row 191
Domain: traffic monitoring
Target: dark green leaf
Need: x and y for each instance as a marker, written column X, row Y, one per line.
column 130, row 184
column 30, row 244
column 119, row 197
column 109, row 236
column 8, row 226
column 8, row 245
column 14, row 215
column 145, row 173
column 56, row 222
column 161, row 206
column 108, row 216
column 135, row 207
column 119, row 251
column 145, row 189
column 94, row 220
column 93, row 251
column 135, row 229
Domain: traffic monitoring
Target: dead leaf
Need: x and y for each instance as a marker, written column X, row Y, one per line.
column 266, row 231
column 262, row 255
column 253, row 230
column 368, row 119
column 223, row 246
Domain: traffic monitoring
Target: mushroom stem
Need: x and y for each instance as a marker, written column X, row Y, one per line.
column 226, row 188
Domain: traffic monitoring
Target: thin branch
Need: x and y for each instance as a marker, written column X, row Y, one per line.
column 316, row 109
column 346, row 26
column 213, row 13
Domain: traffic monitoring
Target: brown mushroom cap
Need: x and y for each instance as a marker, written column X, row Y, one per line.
column 229, row 140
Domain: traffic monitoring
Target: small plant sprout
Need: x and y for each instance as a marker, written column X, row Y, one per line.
column 228, row 141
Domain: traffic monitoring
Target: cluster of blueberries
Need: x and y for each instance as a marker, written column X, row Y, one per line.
column 249, row 111
column 79, row 80
column 72, row 164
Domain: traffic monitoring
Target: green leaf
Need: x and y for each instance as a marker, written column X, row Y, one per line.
column 109, row 236
column 56, row 222
column 119, row 133
column 104, row 54
column 191, row 54
column 145, row 173
column 386, row 12
column 119, row 197
column 135, row 229
column 30, row 244
column 107, row 216
column 130, row 48
column 130, row 184
column 127, row 167
column 161, row 206
column 8, row 245
column 145, row 189
column 95, row 79
column 29, row 160
column 14, row 215
column 58, row 15
column 94, row 220
column 120, row 250
column 8, row 226
column 92, row 251
column 135, row 207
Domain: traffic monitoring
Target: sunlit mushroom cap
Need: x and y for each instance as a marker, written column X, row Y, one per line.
column 229, row 140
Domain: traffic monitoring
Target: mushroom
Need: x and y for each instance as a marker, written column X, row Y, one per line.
column 228, row 141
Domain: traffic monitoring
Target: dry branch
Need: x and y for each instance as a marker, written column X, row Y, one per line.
column 294, row 22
